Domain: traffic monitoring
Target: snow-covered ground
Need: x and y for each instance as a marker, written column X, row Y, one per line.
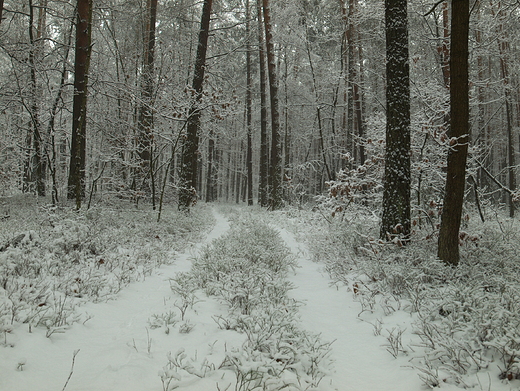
column 360, row 361
column 117, row 348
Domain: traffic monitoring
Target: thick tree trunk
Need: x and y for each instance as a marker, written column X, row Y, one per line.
column 448, row 245
column 263, row 191
column 189, row 169
column 76, row 182
column 275, row 169
column 396, row 193
column 249, row 156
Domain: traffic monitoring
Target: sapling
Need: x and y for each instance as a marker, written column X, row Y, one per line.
column 21, row 363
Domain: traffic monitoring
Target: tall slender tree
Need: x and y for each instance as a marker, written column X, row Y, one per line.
column 145, row 121
column 76, row 181
column 396, row 192
column 35, row 166
column 189, row 165
column 249, row 155
column 275, row 167
column 448, row 244
column 263, row 190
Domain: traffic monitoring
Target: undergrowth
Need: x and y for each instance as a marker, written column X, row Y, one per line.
column 467, row 319
column 58, row 258
column 246, row 270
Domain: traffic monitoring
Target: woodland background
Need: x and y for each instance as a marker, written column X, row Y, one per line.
column 330, row 63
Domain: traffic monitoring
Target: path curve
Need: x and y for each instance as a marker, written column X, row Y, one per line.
column 113, row 345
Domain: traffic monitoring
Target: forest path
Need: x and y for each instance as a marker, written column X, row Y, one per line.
column 361, row 362
column 117, row 349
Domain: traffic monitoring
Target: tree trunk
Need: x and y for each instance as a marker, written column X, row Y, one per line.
column 351, row 76
column 189, row 171
column 275, row 169
column 36, row 162
column 396, row 191
column 263, row 191
column 249, row 155
column 448, row 245
column 209, row 175
column 504, row 50
column 145, row 119
column 76, row 182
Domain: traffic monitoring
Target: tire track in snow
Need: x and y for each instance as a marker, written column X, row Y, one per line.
column 361, row 363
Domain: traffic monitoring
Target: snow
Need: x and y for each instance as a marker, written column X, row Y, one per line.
column 361, row 362
column 118, row 350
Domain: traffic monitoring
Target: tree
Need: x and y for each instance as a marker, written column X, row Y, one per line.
column 145, row 124
column 396, row 192
column 189, row 169
column 35, row 165
column 264, row 148
column 249, row 156
column 458, row 136
column 76, row 181
column 275, row 167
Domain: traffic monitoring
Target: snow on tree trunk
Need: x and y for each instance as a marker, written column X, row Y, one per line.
column 396, row 193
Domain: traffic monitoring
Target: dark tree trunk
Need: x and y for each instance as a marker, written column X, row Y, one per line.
column 448, row 245
column 145, row 110
column 249, row 157
column 263, row 191
column 145, row 120
column 76, row 182
column 275, row 167
column 36, row 163
column 396, row 192
column 209, row 175
column 189, row 171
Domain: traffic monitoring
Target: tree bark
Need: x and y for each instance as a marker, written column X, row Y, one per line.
column 396, row 191
column 263, row 191
column 249, row 156
column 275, row 169
column 189, row 169
column 448, row 244
column 36, row 164
column 76, row 182
column 145, row 120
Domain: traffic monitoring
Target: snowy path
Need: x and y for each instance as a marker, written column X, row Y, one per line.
column 361, row 363
column 119, row 352
column 113, row 345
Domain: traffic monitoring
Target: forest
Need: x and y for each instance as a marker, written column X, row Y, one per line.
column 240, row 150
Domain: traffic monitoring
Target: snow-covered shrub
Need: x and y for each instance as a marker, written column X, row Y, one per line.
column 466, row 318
column 64, row 258
column 246, row 270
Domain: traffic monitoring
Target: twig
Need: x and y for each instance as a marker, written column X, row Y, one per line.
column 433, row 7
column 71, row 368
